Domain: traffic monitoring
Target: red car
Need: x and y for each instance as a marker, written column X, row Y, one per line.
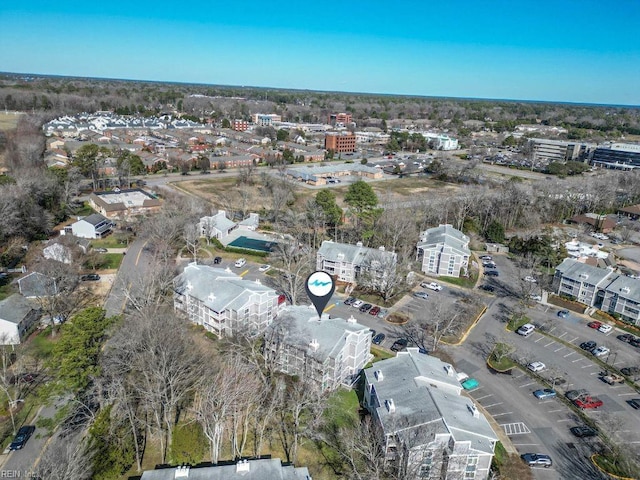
column 374, row 311
column 595, row 325
column 588, row 402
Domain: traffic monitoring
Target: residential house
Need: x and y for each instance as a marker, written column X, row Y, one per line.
column 430, row 430
column 216, row 226
column 122, row 204
column 599, row 223
column 250, row 469
column 91, row 226
column 444, row 251
column 601, row 288
column 348, row 262
column 632, row 211
column 329, row 351
column 222, row 302
column 18, row 317
column 58, row 252
column 37, row 285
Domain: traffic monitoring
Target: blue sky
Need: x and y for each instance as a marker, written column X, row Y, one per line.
column 562, row 50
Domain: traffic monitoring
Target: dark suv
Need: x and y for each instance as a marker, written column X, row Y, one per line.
column 399, row 344
column 21, row 437
column 583, row 431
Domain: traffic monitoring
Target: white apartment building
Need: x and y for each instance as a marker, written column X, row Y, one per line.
column 348, row 262
column 444, row 251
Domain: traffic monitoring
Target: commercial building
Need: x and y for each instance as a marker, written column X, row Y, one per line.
column 329, row 351
column 348, row 263
column 621, row 156
column 222, row 302
column 121, row 204
column 444, row 251
column 258, row 469
column 342, row 142
column 240, row 125
column 265, row 119
column 339, row 118
column 429, row 430
column 546, row 150
column 332, row 173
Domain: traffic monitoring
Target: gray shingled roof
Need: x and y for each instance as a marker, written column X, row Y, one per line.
column 422, row 409
column 263, row 469
column 625, row 287
column 581, row 272
column 447, row 235
column 15, row 308
column 304, row 326
column 37, row 285
column 354, row 254
column 94, row 219
column 217, row 288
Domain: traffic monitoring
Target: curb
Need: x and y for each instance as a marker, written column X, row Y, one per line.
column 466, row 334
column 592, row 458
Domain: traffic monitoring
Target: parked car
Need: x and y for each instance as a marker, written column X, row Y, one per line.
column 630, row 371
column 365, row 308
column 492, row 273
column 589, row 346
column 372, row 332
column 612, row 378
column 378, row 339
column 594, row 325
column 537, row 460
column 241, row 262
column 635, row 403
column 530, row 279
column 357, row 304
column 422, row 295
column 432, row 286
column 264, row 268
column 526, row 330
column 382, row 313
column 600, row 351
column 583, row 431
column 350, row 300
column 535, row 297
column 536, row 366
column 374, row 311
column 399, row 344
column 486, row 257
column 487, row 288
column 605, row 328
column 563, row 313
column 635, row 342
column 625, row 337
column 588, row 402
column 544, row 393
column 575, row 394
column 21, row 438
column 470, row 384
column 100, row 250
column 92, row 277
column 217, row 260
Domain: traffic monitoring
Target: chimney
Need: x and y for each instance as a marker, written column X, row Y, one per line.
column 391, row 407
column 314, row 345
column 449, row 370
column 474, row 410
column 351, row 319
column 358, row 244
column 379, row 376
column 182, row 472
column 211, row 297
column 258, row 281
column 381, row 248
column 243, row 466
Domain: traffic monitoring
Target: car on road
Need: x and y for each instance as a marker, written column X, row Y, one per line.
column 241, row 262
column 583, row 431
column 575, row 394
column 530, row 279
column 350, row 300
column 100, row 250
column 357, row 303
column 374, row 311
column 487, row 288
column 588, row 402
column 217, row 260
column 264, row 268
column 432, row 286
column 92, row 277
column 470, row 384
column 605, row 328
column 399, row 344
column 536, row 366
column 365, row 308
column 492, row 273
column 537, row 460
column 544, row 393
column 594, row 325
column 589, row 345
column 378, row 339
column 526, row 330
column 21, row 438
column 563, row 313
column 635, row 403
column 600, row 351
column 422, row 295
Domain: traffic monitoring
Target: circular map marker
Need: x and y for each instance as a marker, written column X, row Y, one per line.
column 320, row 286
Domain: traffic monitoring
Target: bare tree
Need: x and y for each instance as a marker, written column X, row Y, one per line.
column 66, row 459
column 380, row 273
column 295, row 262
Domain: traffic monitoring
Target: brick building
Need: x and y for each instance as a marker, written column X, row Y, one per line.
column 343, row 142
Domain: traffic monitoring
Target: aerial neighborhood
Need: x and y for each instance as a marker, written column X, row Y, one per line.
column 156, row 322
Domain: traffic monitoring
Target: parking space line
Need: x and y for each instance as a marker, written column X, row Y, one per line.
column 482, row 398
column 626, row 394
column 588, row 365
column 493, row 405
column 550, row 343
column 523, row 444
column 536, row 341
column 565, row 420
column 569, row 354
column 554, row 411
column 500, row 414
column 562, row 335
column 577, row 360
column 618, row 363
column 527, row 384
column 557, row 350
column 573, row 340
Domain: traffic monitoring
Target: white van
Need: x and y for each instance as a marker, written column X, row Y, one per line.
column 240, row 262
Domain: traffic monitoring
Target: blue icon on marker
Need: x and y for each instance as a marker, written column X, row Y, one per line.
column 320, row 286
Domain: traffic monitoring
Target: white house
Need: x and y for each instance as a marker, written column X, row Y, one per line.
column 222, row 302
column 430, row 430
column 347, row 262
column 92, row 226
column 18, row 316
column 330, row 351
column 444, row 251
column 216, row 226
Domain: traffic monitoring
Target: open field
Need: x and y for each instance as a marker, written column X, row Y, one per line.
column 8, row 121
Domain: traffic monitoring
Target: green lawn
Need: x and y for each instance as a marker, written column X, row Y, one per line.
column 463, row 282
column 117, row 240
column 113, row 260
column 7, row 290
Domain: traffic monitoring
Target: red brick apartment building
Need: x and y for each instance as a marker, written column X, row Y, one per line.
column 343, row 118
column 240, row 125
column 343, row 142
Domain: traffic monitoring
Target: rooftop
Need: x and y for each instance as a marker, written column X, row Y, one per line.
column 15, row 308
column 262, row 469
